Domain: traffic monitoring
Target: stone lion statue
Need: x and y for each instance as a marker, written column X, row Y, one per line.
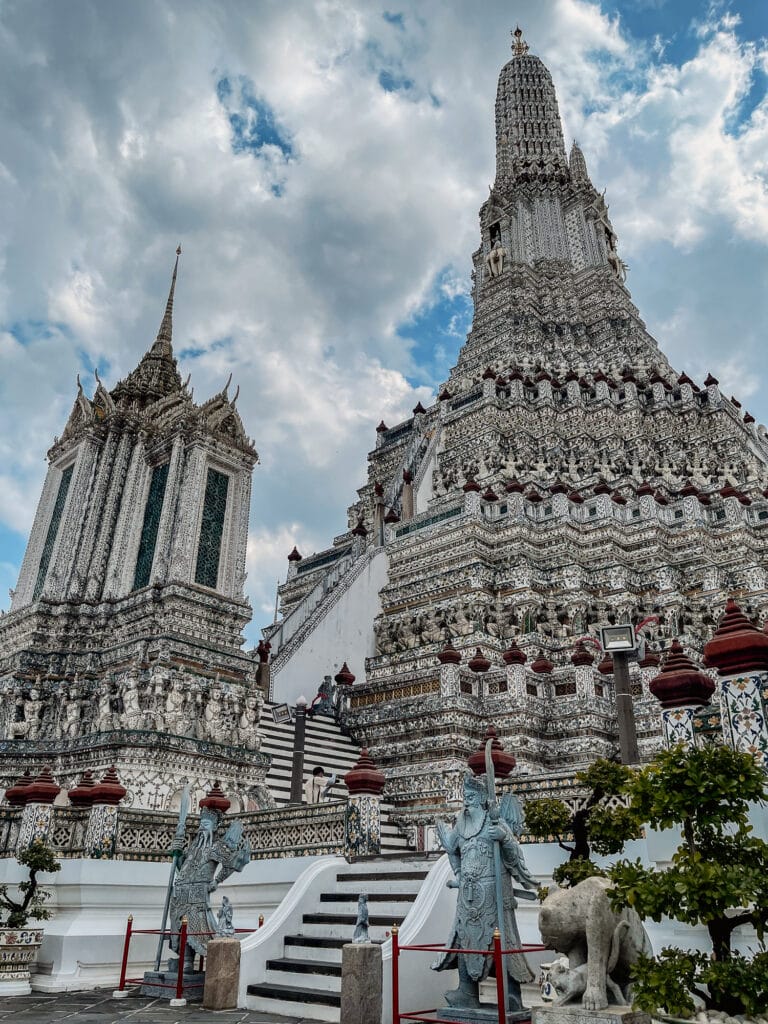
column 601, row 944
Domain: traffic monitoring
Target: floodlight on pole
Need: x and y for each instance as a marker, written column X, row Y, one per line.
column 621, row 641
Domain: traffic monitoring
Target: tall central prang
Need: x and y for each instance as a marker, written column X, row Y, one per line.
column 566, row 478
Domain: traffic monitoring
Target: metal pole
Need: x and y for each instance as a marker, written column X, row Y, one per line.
column 499, row 964
column 625, row 712
column 395, row 976
column 182, row 951
column 494, row 815
column 299, row 731
column 124, row 966
column 176, row 852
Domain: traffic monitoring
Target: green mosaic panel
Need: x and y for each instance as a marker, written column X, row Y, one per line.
column 53, row 529
column 152, row 513
column 211, row 529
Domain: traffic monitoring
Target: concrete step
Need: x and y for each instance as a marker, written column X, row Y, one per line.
column 295, row 994
column 318, row 942
column 295, row 965
column 320, row 954
column 346, row 932
column 373, row 897
column 387, row 875
column 384, row 920
column 302, row 979
column 294, row 1001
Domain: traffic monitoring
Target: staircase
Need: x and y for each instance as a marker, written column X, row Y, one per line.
column 306, row 979
column 324, row 745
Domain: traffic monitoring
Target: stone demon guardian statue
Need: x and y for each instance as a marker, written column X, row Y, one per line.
column 207, row 862
column 485, row 856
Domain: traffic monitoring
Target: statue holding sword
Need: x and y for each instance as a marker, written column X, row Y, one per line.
column 486, row 856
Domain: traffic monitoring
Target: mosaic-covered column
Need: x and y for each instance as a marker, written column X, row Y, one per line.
column 362, row 824
column 38, row 810
column 514, row 659
column 449, row 659
column 582, row 661
column 739, row 652
column 102, row 820
column 681, row 688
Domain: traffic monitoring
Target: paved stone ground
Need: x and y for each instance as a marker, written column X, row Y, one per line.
column 100, row 1008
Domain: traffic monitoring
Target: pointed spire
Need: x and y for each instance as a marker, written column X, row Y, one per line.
column 529, row 135
column 162, row 345
column 156, row 375
column 519, row 46
column 578, row 164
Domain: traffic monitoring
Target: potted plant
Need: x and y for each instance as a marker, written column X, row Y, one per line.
column 19, row 943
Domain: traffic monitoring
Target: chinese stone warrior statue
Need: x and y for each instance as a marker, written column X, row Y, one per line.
column 485, row 856
column 203, row 867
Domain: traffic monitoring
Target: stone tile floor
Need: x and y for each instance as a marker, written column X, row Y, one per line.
column 100, row 1008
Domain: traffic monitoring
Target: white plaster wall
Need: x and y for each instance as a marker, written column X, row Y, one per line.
column 92, row 899
column 431, row 917
column 344, row 634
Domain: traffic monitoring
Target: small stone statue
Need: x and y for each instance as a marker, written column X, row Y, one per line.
column 361, row 925
column 470, row 848
column 224, row 924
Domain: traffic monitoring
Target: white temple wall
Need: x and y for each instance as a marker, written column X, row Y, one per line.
column 92, row 899
column 343, row 634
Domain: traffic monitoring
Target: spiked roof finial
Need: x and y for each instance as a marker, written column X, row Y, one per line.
column 519, row 47
column 162, row 345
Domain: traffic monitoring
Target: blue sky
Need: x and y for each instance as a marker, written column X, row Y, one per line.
column 323, row 165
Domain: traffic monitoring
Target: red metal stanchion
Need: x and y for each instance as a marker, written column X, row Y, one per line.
column 182, row 951
column 499, row 965
column 395, row 977
column 126, row 945
column 261, row 920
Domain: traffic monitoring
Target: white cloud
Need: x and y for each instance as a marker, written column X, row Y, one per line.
column 111, row 155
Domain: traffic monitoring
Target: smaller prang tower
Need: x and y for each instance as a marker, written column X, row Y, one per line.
column 124, row 640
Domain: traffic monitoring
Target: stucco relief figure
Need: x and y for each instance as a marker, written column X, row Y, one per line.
column 431, row 628
column 601, row 944
column 132, row 715
column 494, row 261
column 213, row 715
column 29, row 728
column 480, row 826
column 384, row 644
column 247, row 733
column 175, row 702
column 203, row 867
column 461, row 624
column 73, row 712
column 104, row 713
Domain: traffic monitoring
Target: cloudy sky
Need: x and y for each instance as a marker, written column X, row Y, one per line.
column 322, row 163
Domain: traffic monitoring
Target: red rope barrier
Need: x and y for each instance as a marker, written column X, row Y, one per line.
column 178, row 985
column 435, row 947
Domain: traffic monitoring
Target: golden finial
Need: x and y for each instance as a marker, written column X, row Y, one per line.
column 519, row 47
column 178, row 250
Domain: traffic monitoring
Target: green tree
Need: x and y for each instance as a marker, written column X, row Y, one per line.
column 31, row 898
column 594, row 826
column 718, row 877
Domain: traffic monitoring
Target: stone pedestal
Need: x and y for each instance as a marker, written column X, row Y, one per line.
column 222, row 974
column 487, row 1014
column 579, row 1015
column 361, row 983
column 162, row 984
